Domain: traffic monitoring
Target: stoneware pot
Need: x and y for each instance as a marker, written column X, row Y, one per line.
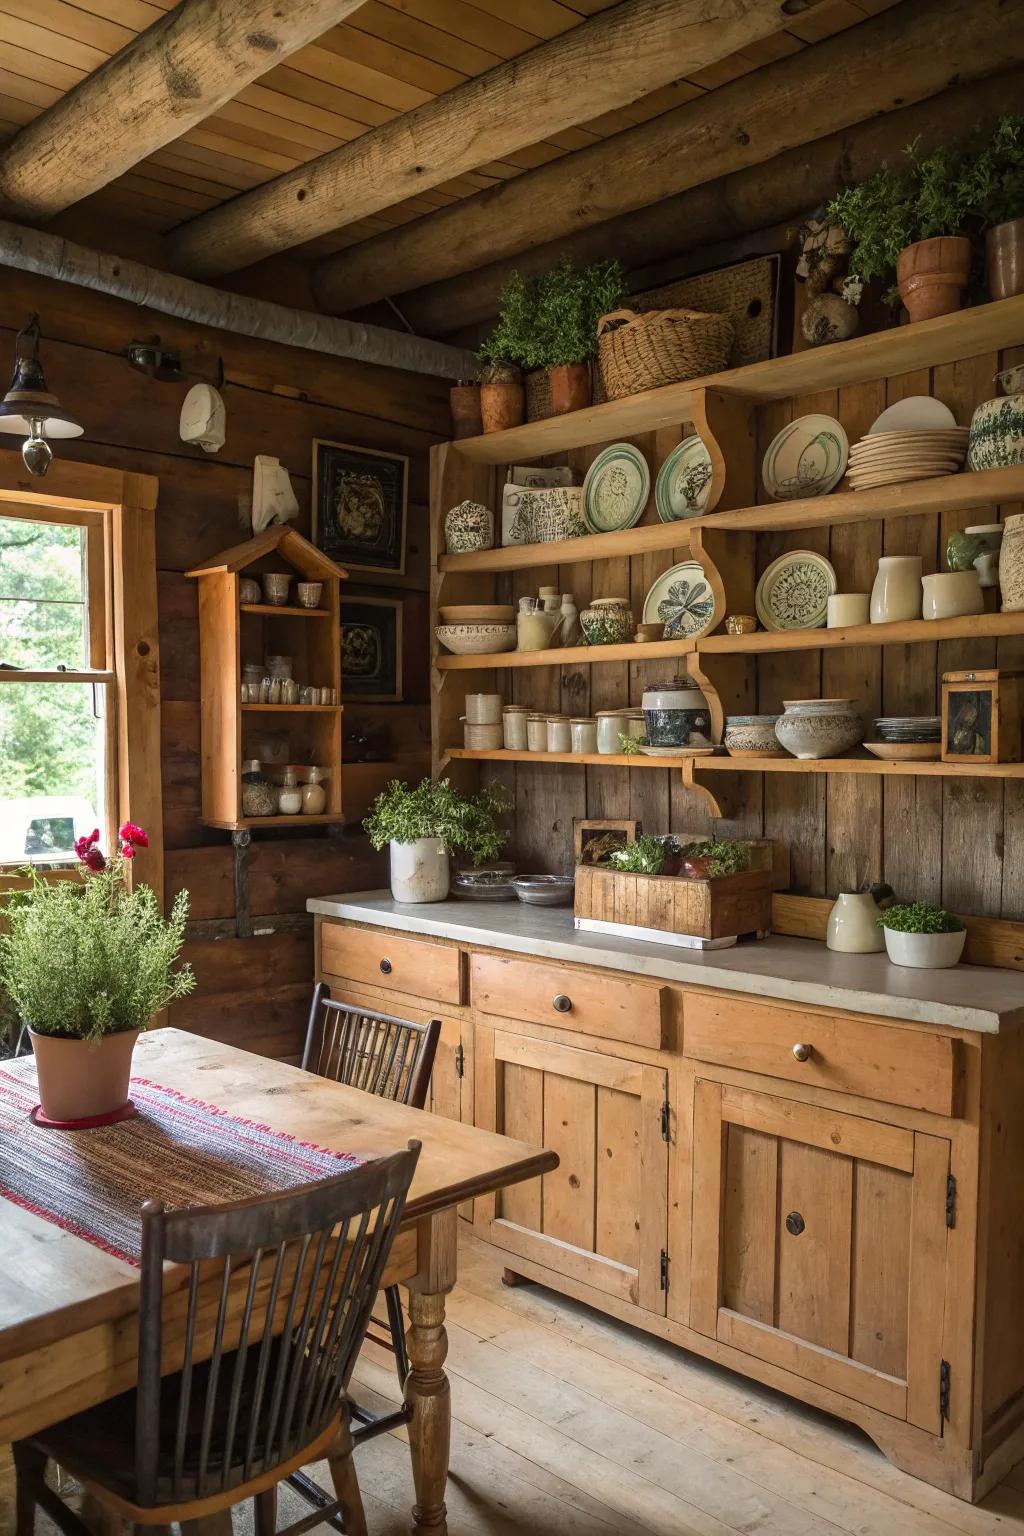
column 896, row 593
column 812, row 728
column 932, row 275
column 570, row 387
column 502, row 406
column 465, row 404
column 419, row 870
column 1004, row 259
column 469, row 526
column 924, row 951
column 754, row 734
column 676, row 715
column 79, row 1080
column 951, row 595
column 1011, row 564
column 996, row 437
column 853, row 925
column 608, row 621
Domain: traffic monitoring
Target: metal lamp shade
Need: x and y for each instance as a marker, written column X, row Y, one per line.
column 28, row 407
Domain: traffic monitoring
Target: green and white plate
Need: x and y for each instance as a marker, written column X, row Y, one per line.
column 684, row 481
column 794, row 591
column 616, row 489
column 683, row 601
column 807, row 458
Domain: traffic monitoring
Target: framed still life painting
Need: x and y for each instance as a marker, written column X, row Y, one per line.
column 360, row 497
column 371, row 649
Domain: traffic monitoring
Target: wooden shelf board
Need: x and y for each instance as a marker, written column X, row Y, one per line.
column 908, row 632
column 929, row 343
column 284, row 611
column 323, row 819
column 292, row 709
column 568, row 655
column 581, row 759
column 43, row 675
column 948, row 493
column 860, row 765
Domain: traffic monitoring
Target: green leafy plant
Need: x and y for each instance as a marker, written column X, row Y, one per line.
column 468, row 824
column 90, row 957
column 725, row 856
column 515, row 337
column 994, row 177
column 919, row 917
column 570, row 302
column 644, row 857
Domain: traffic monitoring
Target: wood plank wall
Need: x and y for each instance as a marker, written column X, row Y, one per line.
column 959, row 841
column 253, row 992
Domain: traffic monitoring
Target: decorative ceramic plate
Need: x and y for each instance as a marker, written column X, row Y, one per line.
column 684, row 481
column 807, row 458
column 917, row 413
column 677, row 751
column 794, row 591
column 683, row 601
column 906, row 751
column 616, row 489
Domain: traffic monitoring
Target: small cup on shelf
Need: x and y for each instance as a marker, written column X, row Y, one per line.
column 848, row 608
column 275, row 587
column 309, row 593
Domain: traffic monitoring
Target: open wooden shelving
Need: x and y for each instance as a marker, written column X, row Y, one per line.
column 580, row 759
column 567, row 655
column 291, row 709
column 752, row 764
column 284, row 611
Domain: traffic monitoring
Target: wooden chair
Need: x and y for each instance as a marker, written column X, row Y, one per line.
column 263, row 1334
column 392, row 1058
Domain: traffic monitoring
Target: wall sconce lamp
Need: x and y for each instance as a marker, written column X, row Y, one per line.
column 29, row 410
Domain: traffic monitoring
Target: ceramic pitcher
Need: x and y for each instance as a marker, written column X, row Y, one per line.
column 896, row 593
column 853, row 925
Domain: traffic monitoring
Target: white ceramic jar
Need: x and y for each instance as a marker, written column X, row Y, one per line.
column 419, row 870
column 584, row 735
column 513, row 727
column 853, row 925
column 608, row 725
column 896, row 594
column 951, row 595
column 559, row 734
column 813, row 728
column 483, row 708
column 537, row 733
column 848, row 608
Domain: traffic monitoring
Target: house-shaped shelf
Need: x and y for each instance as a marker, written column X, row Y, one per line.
column 232, row 634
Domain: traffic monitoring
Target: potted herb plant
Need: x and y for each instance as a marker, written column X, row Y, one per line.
column 87, row 964
column 921, row 935
column 645, row 856
column 996, row 194
column 511, row 347
column 570, row 302
column 710, row 860
column 425, row 824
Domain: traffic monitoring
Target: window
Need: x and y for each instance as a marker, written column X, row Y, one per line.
column 57, row 685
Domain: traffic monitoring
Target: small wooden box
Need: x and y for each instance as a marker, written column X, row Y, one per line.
column 706, row 909
column 982, row 715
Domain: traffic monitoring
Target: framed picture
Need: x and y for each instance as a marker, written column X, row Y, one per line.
column 593, row 841
column 371, row 649
column 360, row 498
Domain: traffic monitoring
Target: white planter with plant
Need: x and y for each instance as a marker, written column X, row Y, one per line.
column 425, row 825
column 87, row 964
column 922, row 936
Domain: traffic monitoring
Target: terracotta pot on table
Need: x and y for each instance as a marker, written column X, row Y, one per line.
column 932, row 275
column 82, row 1080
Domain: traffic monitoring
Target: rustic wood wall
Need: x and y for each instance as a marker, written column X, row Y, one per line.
column 959, row 841
column 253, row 991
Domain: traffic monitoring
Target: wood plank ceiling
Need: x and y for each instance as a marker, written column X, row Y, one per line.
column 390, row 57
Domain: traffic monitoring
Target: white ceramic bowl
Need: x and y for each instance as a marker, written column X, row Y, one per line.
column 951, row 594
column 476, row 639
column 924, row 951
column 812, row 728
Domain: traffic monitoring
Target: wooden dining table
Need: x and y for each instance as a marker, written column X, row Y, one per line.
column 69, row 1310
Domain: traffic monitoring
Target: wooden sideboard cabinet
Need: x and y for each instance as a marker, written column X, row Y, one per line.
column 821, row 1199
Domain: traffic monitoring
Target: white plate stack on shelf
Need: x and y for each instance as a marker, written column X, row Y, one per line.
column 915, row 439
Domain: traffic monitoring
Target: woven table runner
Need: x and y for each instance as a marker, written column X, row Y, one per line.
column 175, row 1149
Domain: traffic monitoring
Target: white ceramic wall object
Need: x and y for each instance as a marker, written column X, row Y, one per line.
column 896, row 594
column 853, row 925
column 925, row 951
column 419, row 870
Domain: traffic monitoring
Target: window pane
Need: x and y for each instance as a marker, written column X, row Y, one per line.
column 42, row 595
column 52, row 769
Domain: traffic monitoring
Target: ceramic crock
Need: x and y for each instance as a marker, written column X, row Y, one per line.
column 996, row 436
column 676, row 715
column 951, row 594
column 467, row 527
column 853, row 925
column 812, row 728
column 419, row 870
column 896, row 593
column 608, row 621
column 1011, row 564
column 80, row 1079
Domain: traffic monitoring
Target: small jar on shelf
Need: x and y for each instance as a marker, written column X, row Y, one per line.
column 289, row 796
column 314, row 796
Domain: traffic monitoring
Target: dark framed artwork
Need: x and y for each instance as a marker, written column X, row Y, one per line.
column 360, row 499
column 371, row 649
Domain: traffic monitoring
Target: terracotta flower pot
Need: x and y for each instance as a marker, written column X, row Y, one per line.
column 465, row 404
column 502, row 406
column 79, row 1080
column 932, row 275
column 1004, row 254
column 570, row 387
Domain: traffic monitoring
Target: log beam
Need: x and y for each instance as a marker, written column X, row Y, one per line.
column 175, row 73
column 33, row 250
column 602, row 65
column 709, row 217
column 904, row 55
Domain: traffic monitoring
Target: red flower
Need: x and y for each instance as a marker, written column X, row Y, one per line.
column 94, row 860
column 134, row 836
column 127, row 851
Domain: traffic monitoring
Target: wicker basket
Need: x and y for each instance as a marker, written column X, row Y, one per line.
column 663, row 346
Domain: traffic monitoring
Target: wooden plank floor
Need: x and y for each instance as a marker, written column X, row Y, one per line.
column 569, row 1424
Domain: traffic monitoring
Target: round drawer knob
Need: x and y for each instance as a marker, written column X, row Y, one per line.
column 795, row 1223
column 803, row 1052
column 385, row 966
column 563, row 1004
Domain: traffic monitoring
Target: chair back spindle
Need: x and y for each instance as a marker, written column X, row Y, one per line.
column 392, row 1058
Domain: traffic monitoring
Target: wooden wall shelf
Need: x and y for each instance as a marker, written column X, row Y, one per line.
column 284, row 611
column 580, row 759
column 985, row 328
column 291, row 709
column 324, row 819
column 567, row 655
column 752, row 764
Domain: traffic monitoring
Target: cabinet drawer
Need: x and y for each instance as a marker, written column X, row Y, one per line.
column 897, row 1066
column 379, row 958
column 568, row 999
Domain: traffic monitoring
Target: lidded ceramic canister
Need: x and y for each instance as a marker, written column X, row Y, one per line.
column 559, row 734
column 584, row 734
column 676, row 715
column 513, row 726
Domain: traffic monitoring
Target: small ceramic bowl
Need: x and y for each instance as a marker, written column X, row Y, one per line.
column 249, row 591
column 309, row 593
column 752, row 734
column 275, row 587
column 545, row 890
column 740, row 624
column 951, row 595
column 476, row 639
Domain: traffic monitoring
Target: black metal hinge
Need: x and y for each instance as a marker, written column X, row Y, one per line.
column 666, row 1122
column 950, row 1201
column 664, row 1270
column 460, row 1061
column 944, row 1389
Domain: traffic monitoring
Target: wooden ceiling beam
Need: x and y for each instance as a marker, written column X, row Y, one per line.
column 904, row 55
column 172, row 76
column 609, row 61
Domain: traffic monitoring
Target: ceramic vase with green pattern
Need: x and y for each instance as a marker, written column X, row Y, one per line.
column 997, row 434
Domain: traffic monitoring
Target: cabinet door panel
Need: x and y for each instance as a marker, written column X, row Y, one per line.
column 600, row 1216
column 819, row 1245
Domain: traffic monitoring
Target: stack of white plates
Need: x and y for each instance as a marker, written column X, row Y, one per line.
column 887, row 458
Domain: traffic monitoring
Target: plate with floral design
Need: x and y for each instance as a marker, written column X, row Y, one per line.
column 794, row 591
column 807, row 458
column 684, row 481
column 616, row 489
column 683, row 601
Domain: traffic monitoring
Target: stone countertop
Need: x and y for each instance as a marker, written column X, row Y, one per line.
column 792, row 970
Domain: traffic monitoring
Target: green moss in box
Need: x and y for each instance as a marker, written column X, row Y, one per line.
column 919, row 917
column 723, row 855
column 646, row 856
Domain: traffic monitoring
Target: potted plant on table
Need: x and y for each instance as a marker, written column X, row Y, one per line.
column 995, row 179
column 425, row 824
column 921, row 935
column 511, row 347
column 570, row 302
column 87, row 964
